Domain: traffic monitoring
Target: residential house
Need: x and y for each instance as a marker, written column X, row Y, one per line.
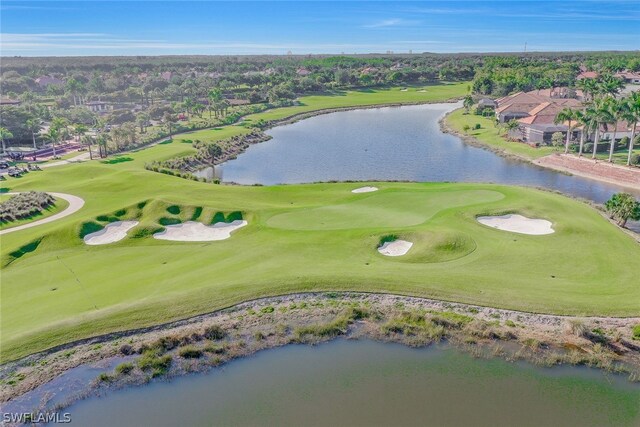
column 587, row 75
column 303, row 72
column 46, row 81
column 629, row 77
column 539, row 127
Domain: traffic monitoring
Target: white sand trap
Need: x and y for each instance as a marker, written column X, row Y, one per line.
column 422, row 91
column 395, row 248
column 518, row 224
column 192, row 231
column 403, row 90
column 364, row 190
column 111, row 233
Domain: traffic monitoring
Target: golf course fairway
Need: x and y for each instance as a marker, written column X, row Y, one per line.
column 298, row 238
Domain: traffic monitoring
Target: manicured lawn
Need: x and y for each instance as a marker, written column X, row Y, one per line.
column 315, row 237
column 488, row 134
column 59, row 206
column 299, row 238
column 366, row 97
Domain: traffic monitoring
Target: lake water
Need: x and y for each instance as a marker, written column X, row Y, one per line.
column 354, row 383
column 394, row 143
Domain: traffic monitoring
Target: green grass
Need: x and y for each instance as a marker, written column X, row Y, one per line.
column 58, row 206
column 488, row 134
column 315, row 237
column 367, row 97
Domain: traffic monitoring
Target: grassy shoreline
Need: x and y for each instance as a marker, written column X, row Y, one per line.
column 210, row 340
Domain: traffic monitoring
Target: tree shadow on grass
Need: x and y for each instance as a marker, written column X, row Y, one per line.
column 4, row 190
column 168, row 141
column 119, row 159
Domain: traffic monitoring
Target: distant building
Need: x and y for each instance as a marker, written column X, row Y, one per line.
column 629, row 77
column 303, row 72
column 166, row 75
column 587, row 75
column 7, row 101
column 98, row 106
column 46, row 81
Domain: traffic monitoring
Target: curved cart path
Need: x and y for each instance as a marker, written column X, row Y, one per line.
column 75, row 204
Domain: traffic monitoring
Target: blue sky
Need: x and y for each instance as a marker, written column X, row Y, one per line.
column 39, row 28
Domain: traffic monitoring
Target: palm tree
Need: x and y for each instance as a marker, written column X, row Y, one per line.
column 511, row 125
column 169, row 120
column 616, row 111
column 52, row 136
column 28, row 99
column 588, row 125
column 602, row 115
column 631, row 114
column 142, row 120
column 5, row 134
column 58, row 125
column 88, row 140
column 467, row 103
column 215, row 96
column 609, row 85
column 589, row 88
column 566, row 114
column 79, row 130
column 34, row 126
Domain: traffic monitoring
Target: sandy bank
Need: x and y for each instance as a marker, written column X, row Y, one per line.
column 111, row 233
column 192, row 231
column 395, row 248
column 365, row 190
column 518, row 224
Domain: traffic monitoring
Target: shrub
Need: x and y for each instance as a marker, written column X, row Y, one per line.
column 635, row 159
column 174, row 210
column 190, row 352
column 150, row 360
column 214, row 332
column 636, row 332
column 104, row 377
column 267, row 309
column 25, row 205
column 477, row 126
column 557, row 140
column 624, row 142
column 124, row 368
column 126, row 349
column 588, row 147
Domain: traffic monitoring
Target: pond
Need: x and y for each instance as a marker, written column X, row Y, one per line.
column 394, row 143
column 349, row 382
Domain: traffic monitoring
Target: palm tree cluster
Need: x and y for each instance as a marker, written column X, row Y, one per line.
column 603, row 111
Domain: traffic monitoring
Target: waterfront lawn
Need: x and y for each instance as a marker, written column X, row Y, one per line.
column 488, row 134
column 316, row 237
column 367, row 97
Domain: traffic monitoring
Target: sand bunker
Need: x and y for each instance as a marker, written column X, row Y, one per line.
column 518, row 224
column 422, row 91
column 364, row 190
column 395, row 248
column 111, row 233
column 192, row 231
column 403, row 90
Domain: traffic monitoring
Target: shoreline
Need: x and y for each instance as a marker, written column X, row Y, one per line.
column 209, row 340
column 542, row 162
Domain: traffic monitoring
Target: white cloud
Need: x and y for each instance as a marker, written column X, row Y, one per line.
column 392, row 22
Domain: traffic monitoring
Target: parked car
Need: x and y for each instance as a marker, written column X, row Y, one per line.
column 14, row 172
column 4, row 165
